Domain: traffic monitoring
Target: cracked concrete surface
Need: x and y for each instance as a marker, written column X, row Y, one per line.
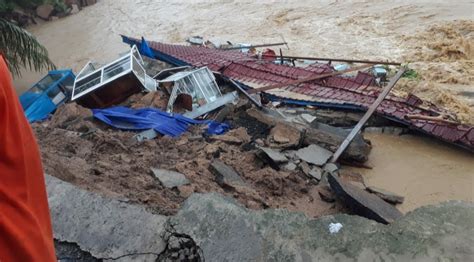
column 223, row 230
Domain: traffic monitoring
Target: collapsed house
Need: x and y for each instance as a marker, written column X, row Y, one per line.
column 335, row 92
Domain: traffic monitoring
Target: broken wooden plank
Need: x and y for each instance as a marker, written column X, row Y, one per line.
column 340, row 60
column 440, row 118
column 367, row 115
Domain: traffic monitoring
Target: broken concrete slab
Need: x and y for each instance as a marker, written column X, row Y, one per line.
column 314, row 154
column 170, row 178
column 363, row 203
column 308, row 118
column 386, row 195
column 106, row 228
column 225, row 175
column 226, row 231
column 331, row 137
column 273, row 157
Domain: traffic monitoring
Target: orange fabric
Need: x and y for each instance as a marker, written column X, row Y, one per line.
column 25, row 224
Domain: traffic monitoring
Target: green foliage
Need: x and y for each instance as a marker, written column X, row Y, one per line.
column 21, row 49
column 411, row 74
column 6, row 6
column 26, row 3
column 59, row 5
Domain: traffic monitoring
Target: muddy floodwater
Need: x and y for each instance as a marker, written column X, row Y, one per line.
column 422, row 170
column 436, row 36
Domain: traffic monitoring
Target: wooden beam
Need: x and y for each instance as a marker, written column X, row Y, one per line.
column 304, row 80
column 340, row 60
column 368, row 114
column 439, row 119
column 253, row 46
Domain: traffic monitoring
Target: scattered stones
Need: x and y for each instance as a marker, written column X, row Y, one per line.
column 273, row 157
column 235, row 136
column 304, row 167
column 284, row 136
column 308, row 118
column 44, row 11
column 316, row 173
column 170, row 179
column 314, row 154
column 259, row 142
column 363, row 203
column 290, row 166
column 386, row 195
column 225, row 175
column 326, row 194
column 186, row 190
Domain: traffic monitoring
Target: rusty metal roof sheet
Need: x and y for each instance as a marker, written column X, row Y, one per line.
column 357, row 92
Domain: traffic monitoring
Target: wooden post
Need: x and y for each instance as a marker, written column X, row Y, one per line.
column 367, row 115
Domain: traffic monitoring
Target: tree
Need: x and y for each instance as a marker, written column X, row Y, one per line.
column 21, row 49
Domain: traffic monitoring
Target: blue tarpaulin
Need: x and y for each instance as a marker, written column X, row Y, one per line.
column 145, row 50
column 150, row 118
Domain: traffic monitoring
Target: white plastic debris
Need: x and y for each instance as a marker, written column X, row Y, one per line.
column 334, row 227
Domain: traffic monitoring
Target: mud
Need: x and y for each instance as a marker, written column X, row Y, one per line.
column 422, row 170
column 78, row 149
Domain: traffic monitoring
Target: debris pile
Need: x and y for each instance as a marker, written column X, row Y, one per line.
column 269, row 135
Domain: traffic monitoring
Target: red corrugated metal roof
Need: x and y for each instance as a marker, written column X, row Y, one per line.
column 359, row 91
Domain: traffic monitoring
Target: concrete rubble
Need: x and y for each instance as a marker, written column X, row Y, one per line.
column 226, row 176
column 169, row 178
column 271, row 156
column 314, row 154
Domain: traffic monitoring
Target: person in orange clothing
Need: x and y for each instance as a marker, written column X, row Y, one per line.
column 25, row 223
